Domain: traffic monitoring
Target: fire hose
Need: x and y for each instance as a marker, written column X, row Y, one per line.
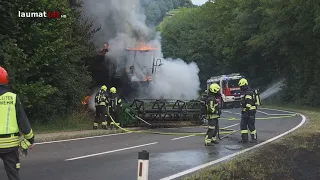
column 225, row 131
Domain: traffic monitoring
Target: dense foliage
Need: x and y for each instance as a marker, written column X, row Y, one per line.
column 47, row 59
column 44, row 56
column 155, row 10
column 263, row 39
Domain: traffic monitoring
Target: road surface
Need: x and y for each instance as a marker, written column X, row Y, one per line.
column 114, row 157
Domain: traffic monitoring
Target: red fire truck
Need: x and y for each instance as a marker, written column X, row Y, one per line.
column 230, row 90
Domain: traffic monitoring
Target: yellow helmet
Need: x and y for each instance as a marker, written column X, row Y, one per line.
column 214, row 88
column 113, row 90
column 104, row 88
column 243, row 82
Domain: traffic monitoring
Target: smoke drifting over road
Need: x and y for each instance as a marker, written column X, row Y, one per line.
column 122, row 26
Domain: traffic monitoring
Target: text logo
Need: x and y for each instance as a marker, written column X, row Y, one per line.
column 44, row 14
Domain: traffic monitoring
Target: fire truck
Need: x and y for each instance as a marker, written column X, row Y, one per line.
column 230, row 90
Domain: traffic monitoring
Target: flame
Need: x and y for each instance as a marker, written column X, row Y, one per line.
column 147, row 78
column 142, row 47
column 85, row 100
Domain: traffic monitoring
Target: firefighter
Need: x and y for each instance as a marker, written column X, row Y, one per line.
column 213, row 112
column 248, row 112
column 13, row 120
column 101, row 103
column 115, row 106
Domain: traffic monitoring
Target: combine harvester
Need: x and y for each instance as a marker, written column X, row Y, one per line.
column 131, row 74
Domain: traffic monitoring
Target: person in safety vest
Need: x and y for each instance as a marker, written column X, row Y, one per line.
column 115, row 106
column 248, row 112
column 101, row 103
column 213, row 112
column 13, row 120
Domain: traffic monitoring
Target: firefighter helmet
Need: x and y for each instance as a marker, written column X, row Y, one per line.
column 113, row 90
column 104, row 88
column 243, row 82
column 214, row 88
column 3, row 76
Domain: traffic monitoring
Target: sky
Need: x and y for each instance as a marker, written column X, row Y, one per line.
column 199, row 2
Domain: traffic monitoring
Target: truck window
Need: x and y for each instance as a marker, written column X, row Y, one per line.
column 233, row 83
column 224, row 84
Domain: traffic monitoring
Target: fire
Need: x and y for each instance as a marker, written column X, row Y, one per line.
column 86, row 100
column 142, row 47
column 147, row 78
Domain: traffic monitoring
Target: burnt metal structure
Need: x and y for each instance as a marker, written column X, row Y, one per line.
column 165, row 110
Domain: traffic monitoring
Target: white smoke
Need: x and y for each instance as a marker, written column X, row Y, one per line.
column 273, row 89
column 123, row 26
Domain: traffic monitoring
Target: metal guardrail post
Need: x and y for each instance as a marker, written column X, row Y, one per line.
column 143, row 165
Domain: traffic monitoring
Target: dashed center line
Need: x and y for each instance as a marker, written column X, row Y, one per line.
column 182, row 137
column 112, row 151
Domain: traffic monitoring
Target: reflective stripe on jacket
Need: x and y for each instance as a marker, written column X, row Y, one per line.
column 9, row 129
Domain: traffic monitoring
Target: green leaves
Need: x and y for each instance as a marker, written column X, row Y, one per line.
column 265, row 40
column 44, row 58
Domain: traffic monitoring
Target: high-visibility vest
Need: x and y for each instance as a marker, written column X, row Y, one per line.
column 9, row 129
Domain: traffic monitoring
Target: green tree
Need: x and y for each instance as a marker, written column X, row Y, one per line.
column 263, row 39
column 44, row 56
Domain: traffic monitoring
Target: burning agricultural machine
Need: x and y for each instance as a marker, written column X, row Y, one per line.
column 131, row 73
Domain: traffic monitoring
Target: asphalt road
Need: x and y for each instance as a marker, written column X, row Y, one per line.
column 79, row 159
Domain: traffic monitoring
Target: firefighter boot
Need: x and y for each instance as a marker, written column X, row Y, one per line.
column 253, row 138
column 111, row 125
column 104, row 125
column 244, row 138
column 95, row 125
column 207, row 141
column 214, row 140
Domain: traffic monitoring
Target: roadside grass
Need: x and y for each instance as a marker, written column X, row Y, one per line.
column 295, row 156
column 76, row 121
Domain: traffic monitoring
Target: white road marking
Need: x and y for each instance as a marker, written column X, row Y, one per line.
column 108, row 152
column 76, row 139
column 182, row 137
column 232, row 112
column 234, row 154
column 279, row 110
column 274, row 114
column 231, row 125
column 194, row 135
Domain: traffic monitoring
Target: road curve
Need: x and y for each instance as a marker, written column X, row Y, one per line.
column 115, row 157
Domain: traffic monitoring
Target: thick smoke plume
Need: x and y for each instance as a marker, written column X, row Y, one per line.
column 123, row 26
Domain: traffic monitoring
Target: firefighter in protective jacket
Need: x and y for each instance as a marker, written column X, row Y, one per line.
column 101, row 103
column 13, row 120
column 115, row 106
column 248, row 112
column 213, row 112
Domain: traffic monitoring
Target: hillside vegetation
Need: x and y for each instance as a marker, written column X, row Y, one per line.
column 48, row 59
column 263, row 39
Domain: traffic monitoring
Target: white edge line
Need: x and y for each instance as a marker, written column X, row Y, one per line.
column 112, row 151
column 76, row 139
column 182, row 137
column 279, row 110
column 234, row 154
